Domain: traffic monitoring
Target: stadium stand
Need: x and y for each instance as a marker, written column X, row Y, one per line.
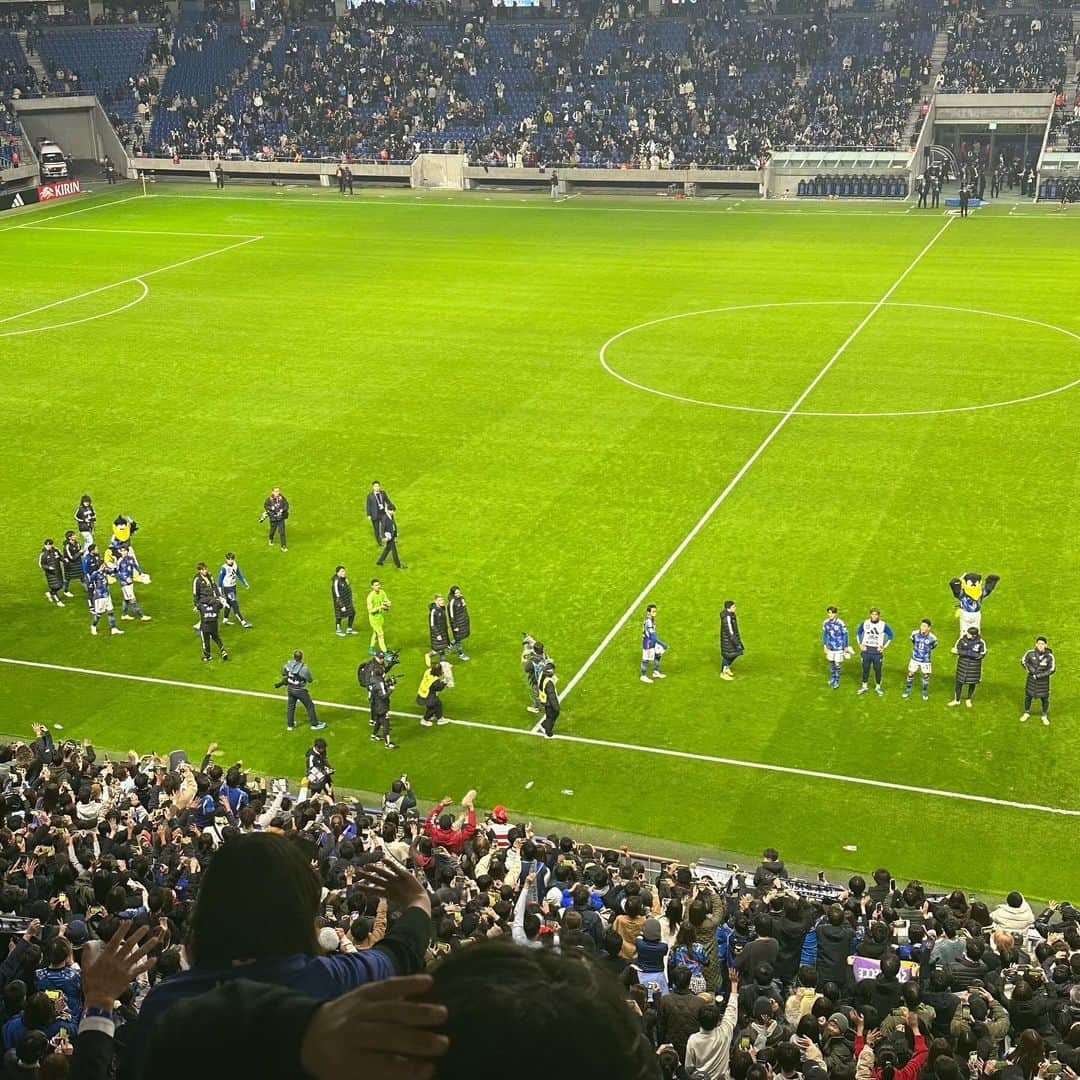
column 716, row 87
column 1025, row 50
column 318, row 894
column 111, row 63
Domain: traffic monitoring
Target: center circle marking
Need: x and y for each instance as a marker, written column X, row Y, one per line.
column 833, row 303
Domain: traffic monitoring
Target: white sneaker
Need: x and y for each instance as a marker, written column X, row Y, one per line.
column 60, row 603
column 658, row 675
column 645, row 678
column 93, row 630
column 1024, row 719
column 425, row 723
column 67, row 593
column 1046, row 721
column 441, row 721
column 116, row 630
column 967, row 702
column 533, row 709
column 49, row 597
column 952, row 703
column 128, row 618
column 145, row 618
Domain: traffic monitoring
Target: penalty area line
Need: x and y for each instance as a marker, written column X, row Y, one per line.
column 685, row 755
column 638, row 600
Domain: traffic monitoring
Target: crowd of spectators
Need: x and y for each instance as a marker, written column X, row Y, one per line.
column 153, row 908
column 1009, row 52
column 619, row 88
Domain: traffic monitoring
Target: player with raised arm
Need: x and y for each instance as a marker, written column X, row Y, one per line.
column 970, row 592
column 834, row 640
column 923, row 643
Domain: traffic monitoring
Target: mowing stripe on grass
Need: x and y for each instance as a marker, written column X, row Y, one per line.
column 128, row 280
column 686, row 755
column 638, row 600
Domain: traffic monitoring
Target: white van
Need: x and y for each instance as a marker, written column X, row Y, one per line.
column 53, row 161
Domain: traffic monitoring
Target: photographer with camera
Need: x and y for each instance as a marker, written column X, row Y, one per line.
column 372, row 675
column 276, row 508
column 295, row 676
column 533, row 659
column 400, row 798
column 317, row 769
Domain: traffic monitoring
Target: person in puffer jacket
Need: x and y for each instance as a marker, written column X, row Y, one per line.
column 1015, row 915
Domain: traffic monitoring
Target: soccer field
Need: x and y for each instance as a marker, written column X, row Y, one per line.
column 576, row 407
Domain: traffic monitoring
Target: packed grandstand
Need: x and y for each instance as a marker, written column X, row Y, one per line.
column 602, row 84
column 244, row 900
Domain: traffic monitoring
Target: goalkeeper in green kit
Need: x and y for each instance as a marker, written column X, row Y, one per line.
column 378, row 604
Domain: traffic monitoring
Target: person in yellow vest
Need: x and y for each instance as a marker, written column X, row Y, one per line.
column 427, row 694
column 549, row 699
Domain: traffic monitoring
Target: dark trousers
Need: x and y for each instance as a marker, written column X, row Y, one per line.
column 871, row 660
column 304, row 698
column 220, row 180
column 375, row 530
column 551, row 716
column 391, row 550
column 346, row 616
column 380, row 721
column 278, row 527
column 922, row 199
column 232, row 605
column 960, row 686
column 432, row 707
column 1043, row 699
column 71, row 573
column 936, row 200
column 210, row 632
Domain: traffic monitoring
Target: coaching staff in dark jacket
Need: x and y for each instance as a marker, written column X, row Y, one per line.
column 731, row 646
column 378, row 502
column 438, row 626
column 276, row 508
column 344, row 609
column 1039, row 664
column 459, row 620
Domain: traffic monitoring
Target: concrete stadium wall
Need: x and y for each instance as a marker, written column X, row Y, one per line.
column 77, row 124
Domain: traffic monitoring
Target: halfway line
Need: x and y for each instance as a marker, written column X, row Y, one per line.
column 788, row 770
column 733, row 482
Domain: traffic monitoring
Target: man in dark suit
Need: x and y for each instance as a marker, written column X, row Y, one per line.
column 388, row 529
column 965, row 196
column 378, row 502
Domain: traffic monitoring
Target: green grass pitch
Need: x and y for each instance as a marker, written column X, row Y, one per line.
column 449, row 347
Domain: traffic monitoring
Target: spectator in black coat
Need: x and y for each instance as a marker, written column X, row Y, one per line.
column 969, row 969
column 884, row 991
column 834, row 937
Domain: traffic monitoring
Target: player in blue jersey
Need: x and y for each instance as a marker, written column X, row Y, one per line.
column 834, row 640
column 229, row 577
column 127, row 571
column 652, row 648
column 923, row 643
column 875, row 636
column 98, row 590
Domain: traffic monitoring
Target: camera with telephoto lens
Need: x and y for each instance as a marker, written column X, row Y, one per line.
column 14, row 924
column 390, row 658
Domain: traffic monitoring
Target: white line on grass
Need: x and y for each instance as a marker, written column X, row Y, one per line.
column 69, row 213
column 143, row 232
column 127, row 280
column 733, row 482
column 686, row 755
column 469, row 203
column 87, row 318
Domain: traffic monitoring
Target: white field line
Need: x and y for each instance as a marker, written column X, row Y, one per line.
column 32, row 210
column 711, row 759
column 87, row 318
column 143, row 232
column 471, row 203
column 636, row 603
column 134, row 277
